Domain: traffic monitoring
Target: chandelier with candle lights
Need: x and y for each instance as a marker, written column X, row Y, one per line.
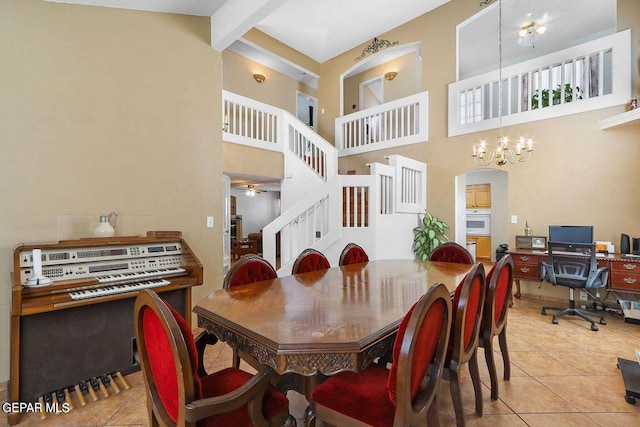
column 503, row 153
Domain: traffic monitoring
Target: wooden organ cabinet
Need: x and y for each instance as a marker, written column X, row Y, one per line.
column 80, row 327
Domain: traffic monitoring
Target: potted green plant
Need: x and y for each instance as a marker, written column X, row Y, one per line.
column 541, row 98
column 428, row 236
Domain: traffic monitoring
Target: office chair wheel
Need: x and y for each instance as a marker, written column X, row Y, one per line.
column 630, row 399
column 555, row 320
column 544, row 312
column 603, row 322
column 594, row 327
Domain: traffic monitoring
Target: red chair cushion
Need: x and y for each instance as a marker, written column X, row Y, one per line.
column 425, row 348
column 229, row 379
column 187, row 334
column 312, row 262
column 251, row 272
column 163, row 366
column 502, row 291
column 472, row 310
column 450, row 254
column 362, row 396
column 355, row 256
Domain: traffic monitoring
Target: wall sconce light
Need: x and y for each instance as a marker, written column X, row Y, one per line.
column 390, row 75
column 259, row 78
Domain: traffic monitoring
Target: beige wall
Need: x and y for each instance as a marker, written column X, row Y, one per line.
column 278, row 89
column 282, row 50
column 241, row 160
column 406, row 83
column 107, row 110
column 578, row 174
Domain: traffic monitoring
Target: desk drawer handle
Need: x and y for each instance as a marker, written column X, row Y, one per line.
column 630, row 266
column 629, row 280
column 524, row 258
column 524, row 269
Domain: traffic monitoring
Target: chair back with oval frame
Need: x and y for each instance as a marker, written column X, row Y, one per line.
column 499, row 282
column 451, row 252
column 310, row 260
column 178, row 396
column 352, row 254
column 250, row 268
column 468, row 305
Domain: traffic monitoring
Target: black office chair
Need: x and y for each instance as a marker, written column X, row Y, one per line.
column 574, row 265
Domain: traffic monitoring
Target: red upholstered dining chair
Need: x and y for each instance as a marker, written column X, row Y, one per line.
column 352, row 254
column 494, row 318
column 310, row 260
column 178, row 396
column 451, row 252
column 250, row 268
column 405, row 394
column 467, row 304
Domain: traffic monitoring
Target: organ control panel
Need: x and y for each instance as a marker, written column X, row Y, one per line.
column 76, row 323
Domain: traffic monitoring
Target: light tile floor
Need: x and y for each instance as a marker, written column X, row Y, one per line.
column 562, row 375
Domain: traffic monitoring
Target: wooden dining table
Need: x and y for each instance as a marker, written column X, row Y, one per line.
column 320, row 323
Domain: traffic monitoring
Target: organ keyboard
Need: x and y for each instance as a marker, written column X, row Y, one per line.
column 117, row 289
column 81, row 325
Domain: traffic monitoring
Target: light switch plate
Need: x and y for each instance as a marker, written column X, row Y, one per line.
column 514, row 219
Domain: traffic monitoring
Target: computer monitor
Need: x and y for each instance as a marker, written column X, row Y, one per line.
column 571, row 234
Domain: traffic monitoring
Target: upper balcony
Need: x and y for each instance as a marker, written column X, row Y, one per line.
column 392, row 124
column 590, row 76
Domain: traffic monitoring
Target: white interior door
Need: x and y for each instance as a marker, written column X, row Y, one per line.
column 226, row 221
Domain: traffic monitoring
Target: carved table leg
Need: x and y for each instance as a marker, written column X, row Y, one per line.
column 310, row 384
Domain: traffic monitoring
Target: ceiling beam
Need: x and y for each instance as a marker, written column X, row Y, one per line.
column 237, row 17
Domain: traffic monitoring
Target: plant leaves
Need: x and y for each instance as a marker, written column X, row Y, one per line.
column 429, row 236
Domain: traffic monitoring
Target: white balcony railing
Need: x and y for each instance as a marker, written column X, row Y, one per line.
column 256, row 124
column 593, row 75
column 312, row 222
column 250, row 122
column 400, row 122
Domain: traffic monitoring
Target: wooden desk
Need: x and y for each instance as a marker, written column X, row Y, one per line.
column 624, row 273
column 323, row 322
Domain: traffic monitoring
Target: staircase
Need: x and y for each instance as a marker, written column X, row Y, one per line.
column 319, row 208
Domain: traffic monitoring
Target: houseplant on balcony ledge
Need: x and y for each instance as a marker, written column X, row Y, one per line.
column 428, row 236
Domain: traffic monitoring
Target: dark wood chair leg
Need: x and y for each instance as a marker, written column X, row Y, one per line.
column 477, row 385
column 432, row 414
column 504, row 349
column 456, row 397
column 491, row 366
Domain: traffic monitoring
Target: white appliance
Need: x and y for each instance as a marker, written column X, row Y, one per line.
column 479, row 222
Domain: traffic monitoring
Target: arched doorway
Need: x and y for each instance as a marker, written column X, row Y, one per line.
column 388, row 56
column 498, row 180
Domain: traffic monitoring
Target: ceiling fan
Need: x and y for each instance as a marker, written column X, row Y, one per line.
column 252, row 191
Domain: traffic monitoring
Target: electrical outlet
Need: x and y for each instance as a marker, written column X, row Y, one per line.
column 209, row 222
column 584, row 296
